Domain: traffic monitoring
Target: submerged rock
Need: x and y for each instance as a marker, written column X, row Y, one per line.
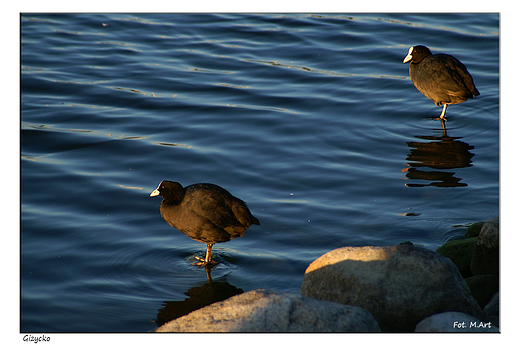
column 400, row 285
column 272, row 311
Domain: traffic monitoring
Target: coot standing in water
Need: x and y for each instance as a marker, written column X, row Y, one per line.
column 204, row 212
column 440, row 77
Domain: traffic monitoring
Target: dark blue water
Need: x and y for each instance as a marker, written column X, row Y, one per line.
column 311, row 119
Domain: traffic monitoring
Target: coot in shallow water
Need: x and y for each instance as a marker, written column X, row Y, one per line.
column 204, row 212
column 440, row 77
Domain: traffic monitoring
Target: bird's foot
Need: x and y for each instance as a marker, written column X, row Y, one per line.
column 203, row 263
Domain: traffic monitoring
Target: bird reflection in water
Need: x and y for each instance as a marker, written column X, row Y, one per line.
column 440, row 153
column 198, row 297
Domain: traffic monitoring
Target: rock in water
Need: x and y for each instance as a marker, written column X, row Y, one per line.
column 268, row 311
column 400, row 285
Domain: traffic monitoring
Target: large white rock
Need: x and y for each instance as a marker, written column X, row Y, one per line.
column 273, row 311
column 400, row 285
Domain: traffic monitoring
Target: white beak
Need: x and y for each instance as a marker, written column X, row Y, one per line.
column 155, row 193
column 409, row 56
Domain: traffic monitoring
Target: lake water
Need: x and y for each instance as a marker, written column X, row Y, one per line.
column 311, row 119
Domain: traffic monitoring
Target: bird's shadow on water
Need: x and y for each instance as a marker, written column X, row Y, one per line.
column 198, row 296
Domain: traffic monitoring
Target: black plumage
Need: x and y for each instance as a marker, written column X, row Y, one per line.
column 440, row 77
column 204, row 212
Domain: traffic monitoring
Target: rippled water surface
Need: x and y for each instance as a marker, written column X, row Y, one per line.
column 311, row 119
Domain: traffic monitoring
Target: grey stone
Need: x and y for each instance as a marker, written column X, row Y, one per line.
column 273, row 311
column 454, row 322
column 492, row 309
column 485, row 260
column 400, row 285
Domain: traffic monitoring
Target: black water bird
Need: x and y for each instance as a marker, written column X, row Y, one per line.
column 204, row 212
column 440, row 77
